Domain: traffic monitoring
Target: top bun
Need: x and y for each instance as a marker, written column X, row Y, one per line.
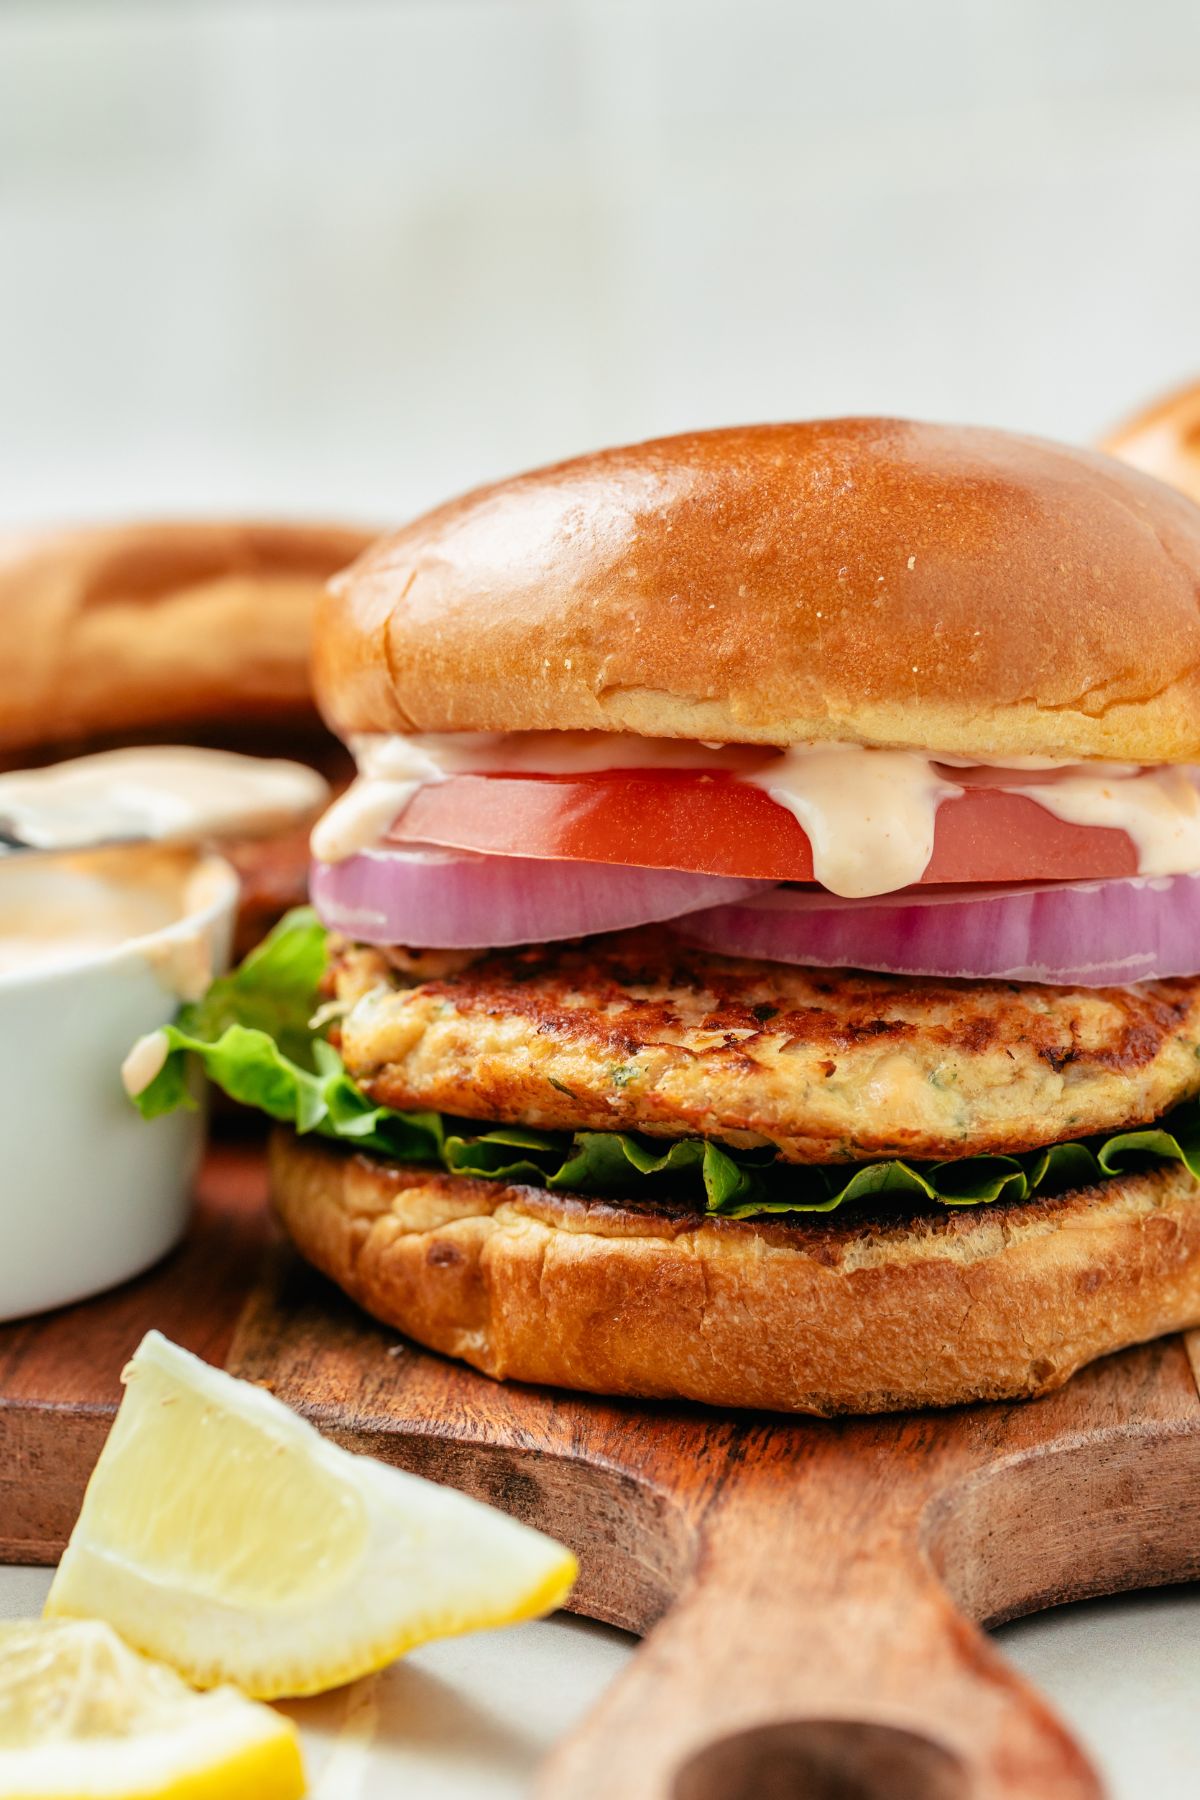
column 1164, row 440
column 869, row 580
column 118, row 630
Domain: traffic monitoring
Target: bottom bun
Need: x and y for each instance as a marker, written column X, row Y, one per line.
column 811, row 1315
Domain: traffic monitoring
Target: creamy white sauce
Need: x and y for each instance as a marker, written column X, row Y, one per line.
column 64, row 914
column 144, row 1062
column 391, row 769
column 72, row 910
column 870, row 815
column 30, row 945
column 1157, row 809
column 162, row 794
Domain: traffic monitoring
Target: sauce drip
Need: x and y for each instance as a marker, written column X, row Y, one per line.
column 869, row 814
column 1157, row 809
column 391, row 769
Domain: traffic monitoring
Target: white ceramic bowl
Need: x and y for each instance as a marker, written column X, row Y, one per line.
column 90, row 1193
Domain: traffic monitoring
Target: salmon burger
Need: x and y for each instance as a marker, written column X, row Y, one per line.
column 758, row 961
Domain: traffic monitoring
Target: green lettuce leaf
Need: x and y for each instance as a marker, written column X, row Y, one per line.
column 604, row 1162
column 252, row 1035
column 255, row 1036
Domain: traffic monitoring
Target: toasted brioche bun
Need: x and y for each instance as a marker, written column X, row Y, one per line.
column 816, row 1316
column 1164, row 440
column 860, row 579
column 116, row 631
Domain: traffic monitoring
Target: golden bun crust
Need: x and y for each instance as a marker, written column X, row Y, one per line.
column 870, row 580
column 994, row 1302
column 1164, row 440
column 112, row 630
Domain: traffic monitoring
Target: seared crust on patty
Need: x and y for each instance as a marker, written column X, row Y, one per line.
column 640, row 1032
column 825, row 1316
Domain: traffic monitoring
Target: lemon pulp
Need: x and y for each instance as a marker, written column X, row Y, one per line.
column 82, row 1714
column 223, row 1534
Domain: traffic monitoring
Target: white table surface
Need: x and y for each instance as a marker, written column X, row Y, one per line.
column 471, row 1718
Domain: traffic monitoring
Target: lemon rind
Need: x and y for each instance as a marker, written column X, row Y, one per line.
column 299, row 1682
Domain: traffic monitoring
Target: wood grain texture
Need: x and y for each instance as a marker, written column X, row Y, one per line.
column 60, row 1373
column 811, row 1593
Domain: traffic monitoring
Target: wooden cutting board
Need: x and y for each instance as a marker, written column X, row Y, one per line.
column 811, row 1593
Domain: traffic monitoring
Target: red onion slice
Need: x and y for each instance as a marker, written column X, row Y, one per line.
column 1068, row 934
column 454, row 900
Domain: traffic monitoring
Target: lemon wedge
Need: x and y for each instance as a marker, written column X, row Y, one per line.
column 223, row 1534
column 82, row 1714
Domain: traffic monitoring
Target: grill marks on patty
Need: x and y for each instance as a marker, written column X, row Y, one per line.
column 638, row 1031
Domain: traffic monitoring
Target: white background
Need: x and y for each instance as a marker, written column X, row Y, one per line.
column 350, row 257
column 347, row 258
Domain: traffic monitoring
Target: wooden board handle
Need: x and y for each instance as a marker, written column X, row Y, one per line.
column 814, row 1647
column 819, row 1580
column 815, row 1652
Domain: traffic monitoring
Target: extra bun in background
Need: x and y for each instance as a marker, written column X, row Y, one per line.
column 1164, row 440
column 191, row 630
column 184, row 632
column 869, row 580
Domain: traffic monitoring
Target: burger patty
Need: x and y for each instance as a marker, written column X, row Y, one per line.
column 640, row 1032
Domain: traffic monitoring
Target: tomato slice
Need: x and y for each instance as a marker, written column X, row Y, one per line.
column 713, row 824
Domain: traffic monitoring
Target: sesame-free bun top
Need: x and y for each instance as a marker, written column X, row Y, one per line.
column 1164, row 440
column 111, row 631
column 870, row 580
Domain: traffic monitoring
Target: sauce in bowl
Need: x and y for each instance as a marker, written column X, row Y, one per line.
column 96, row 951
column 58, row 912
